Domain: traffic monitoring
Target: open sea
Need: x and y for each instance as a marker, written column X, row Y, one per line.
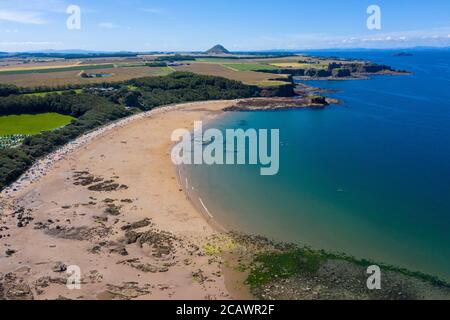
column 370, row 177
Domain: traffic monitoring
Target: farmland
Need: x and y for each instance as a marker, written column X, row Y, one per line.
column 63, row 72
column 62, row 78
column 30, row 124
column 296, row 65
column 55, row 69
column 263, row 71
column 249, row 66
column 222, row 70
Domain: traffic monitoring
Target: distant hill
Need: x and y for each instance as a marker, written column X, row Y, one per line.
column 218, row 49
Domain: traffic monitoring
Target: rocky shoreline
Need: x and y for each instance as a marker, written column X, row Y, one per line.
column 283, row 271
column 313, row 101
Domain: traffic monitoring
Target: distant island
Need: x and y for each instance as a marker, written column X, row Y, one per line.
column 403, row 54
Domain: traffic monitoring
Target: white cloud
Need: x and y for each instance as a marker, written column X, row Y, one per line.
column 24, row 17
column 409, row 38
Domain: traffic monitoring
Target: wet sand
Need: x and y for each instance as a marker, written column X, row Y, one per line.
column 110, row 203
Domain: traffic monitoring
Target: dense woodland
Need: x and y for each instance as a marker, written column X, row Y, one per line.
column 336, row 70
column 95, row 108
column 181, row 86
column 6, row 90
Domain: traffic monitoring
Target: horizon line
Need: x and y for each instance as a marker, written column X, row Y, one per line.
column 81, row 51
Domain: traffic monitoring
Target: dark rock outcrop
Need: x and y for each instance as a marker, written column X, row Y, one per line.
column 341, row 73
column 286, row 90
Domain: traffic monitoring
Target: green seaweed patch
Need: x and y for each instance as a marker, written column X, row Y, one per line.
column 212, row 249
column 386, row 267
column 284, row 265
column 269, row 266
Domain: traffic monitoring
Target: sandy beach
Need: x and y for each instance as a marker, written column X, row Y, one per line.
column 110, row 203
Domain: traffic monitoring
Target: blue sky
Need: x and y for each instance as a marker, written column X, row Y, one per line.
column 177, row 25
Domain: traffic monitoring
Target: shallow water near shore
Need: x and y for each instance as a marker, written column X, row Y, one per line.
column 369, row 177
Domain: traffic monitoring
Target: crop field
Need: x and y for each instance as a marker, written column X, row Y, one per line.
column 30, row 124
column 250, row 66
column 18, row 63
column 55, row 69
column 248, row 77
column 72, row 77
column 216, row 60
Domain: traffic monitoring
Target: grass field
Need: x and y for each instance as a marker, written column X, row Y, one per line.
column 216, row 60
column 270, row 83
column 249, row 66
column 57, row 69
column 43, row 94
column 297, row 65
column 29, row 124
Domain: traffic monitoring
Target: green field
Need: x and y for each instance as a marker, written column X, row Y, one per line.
column 62, row 69
column 270, row 83
column 43, row 94
column 166, row 71
column 29, row 124
column 296, row 65
column 216, row 60
column 249, row 66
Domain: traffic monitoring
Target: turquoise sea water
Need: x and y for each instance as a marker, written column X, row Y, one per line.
column 370, row 178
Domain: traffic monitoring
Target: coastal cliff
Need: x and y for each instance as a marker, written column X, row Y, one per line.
column 342, row 71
